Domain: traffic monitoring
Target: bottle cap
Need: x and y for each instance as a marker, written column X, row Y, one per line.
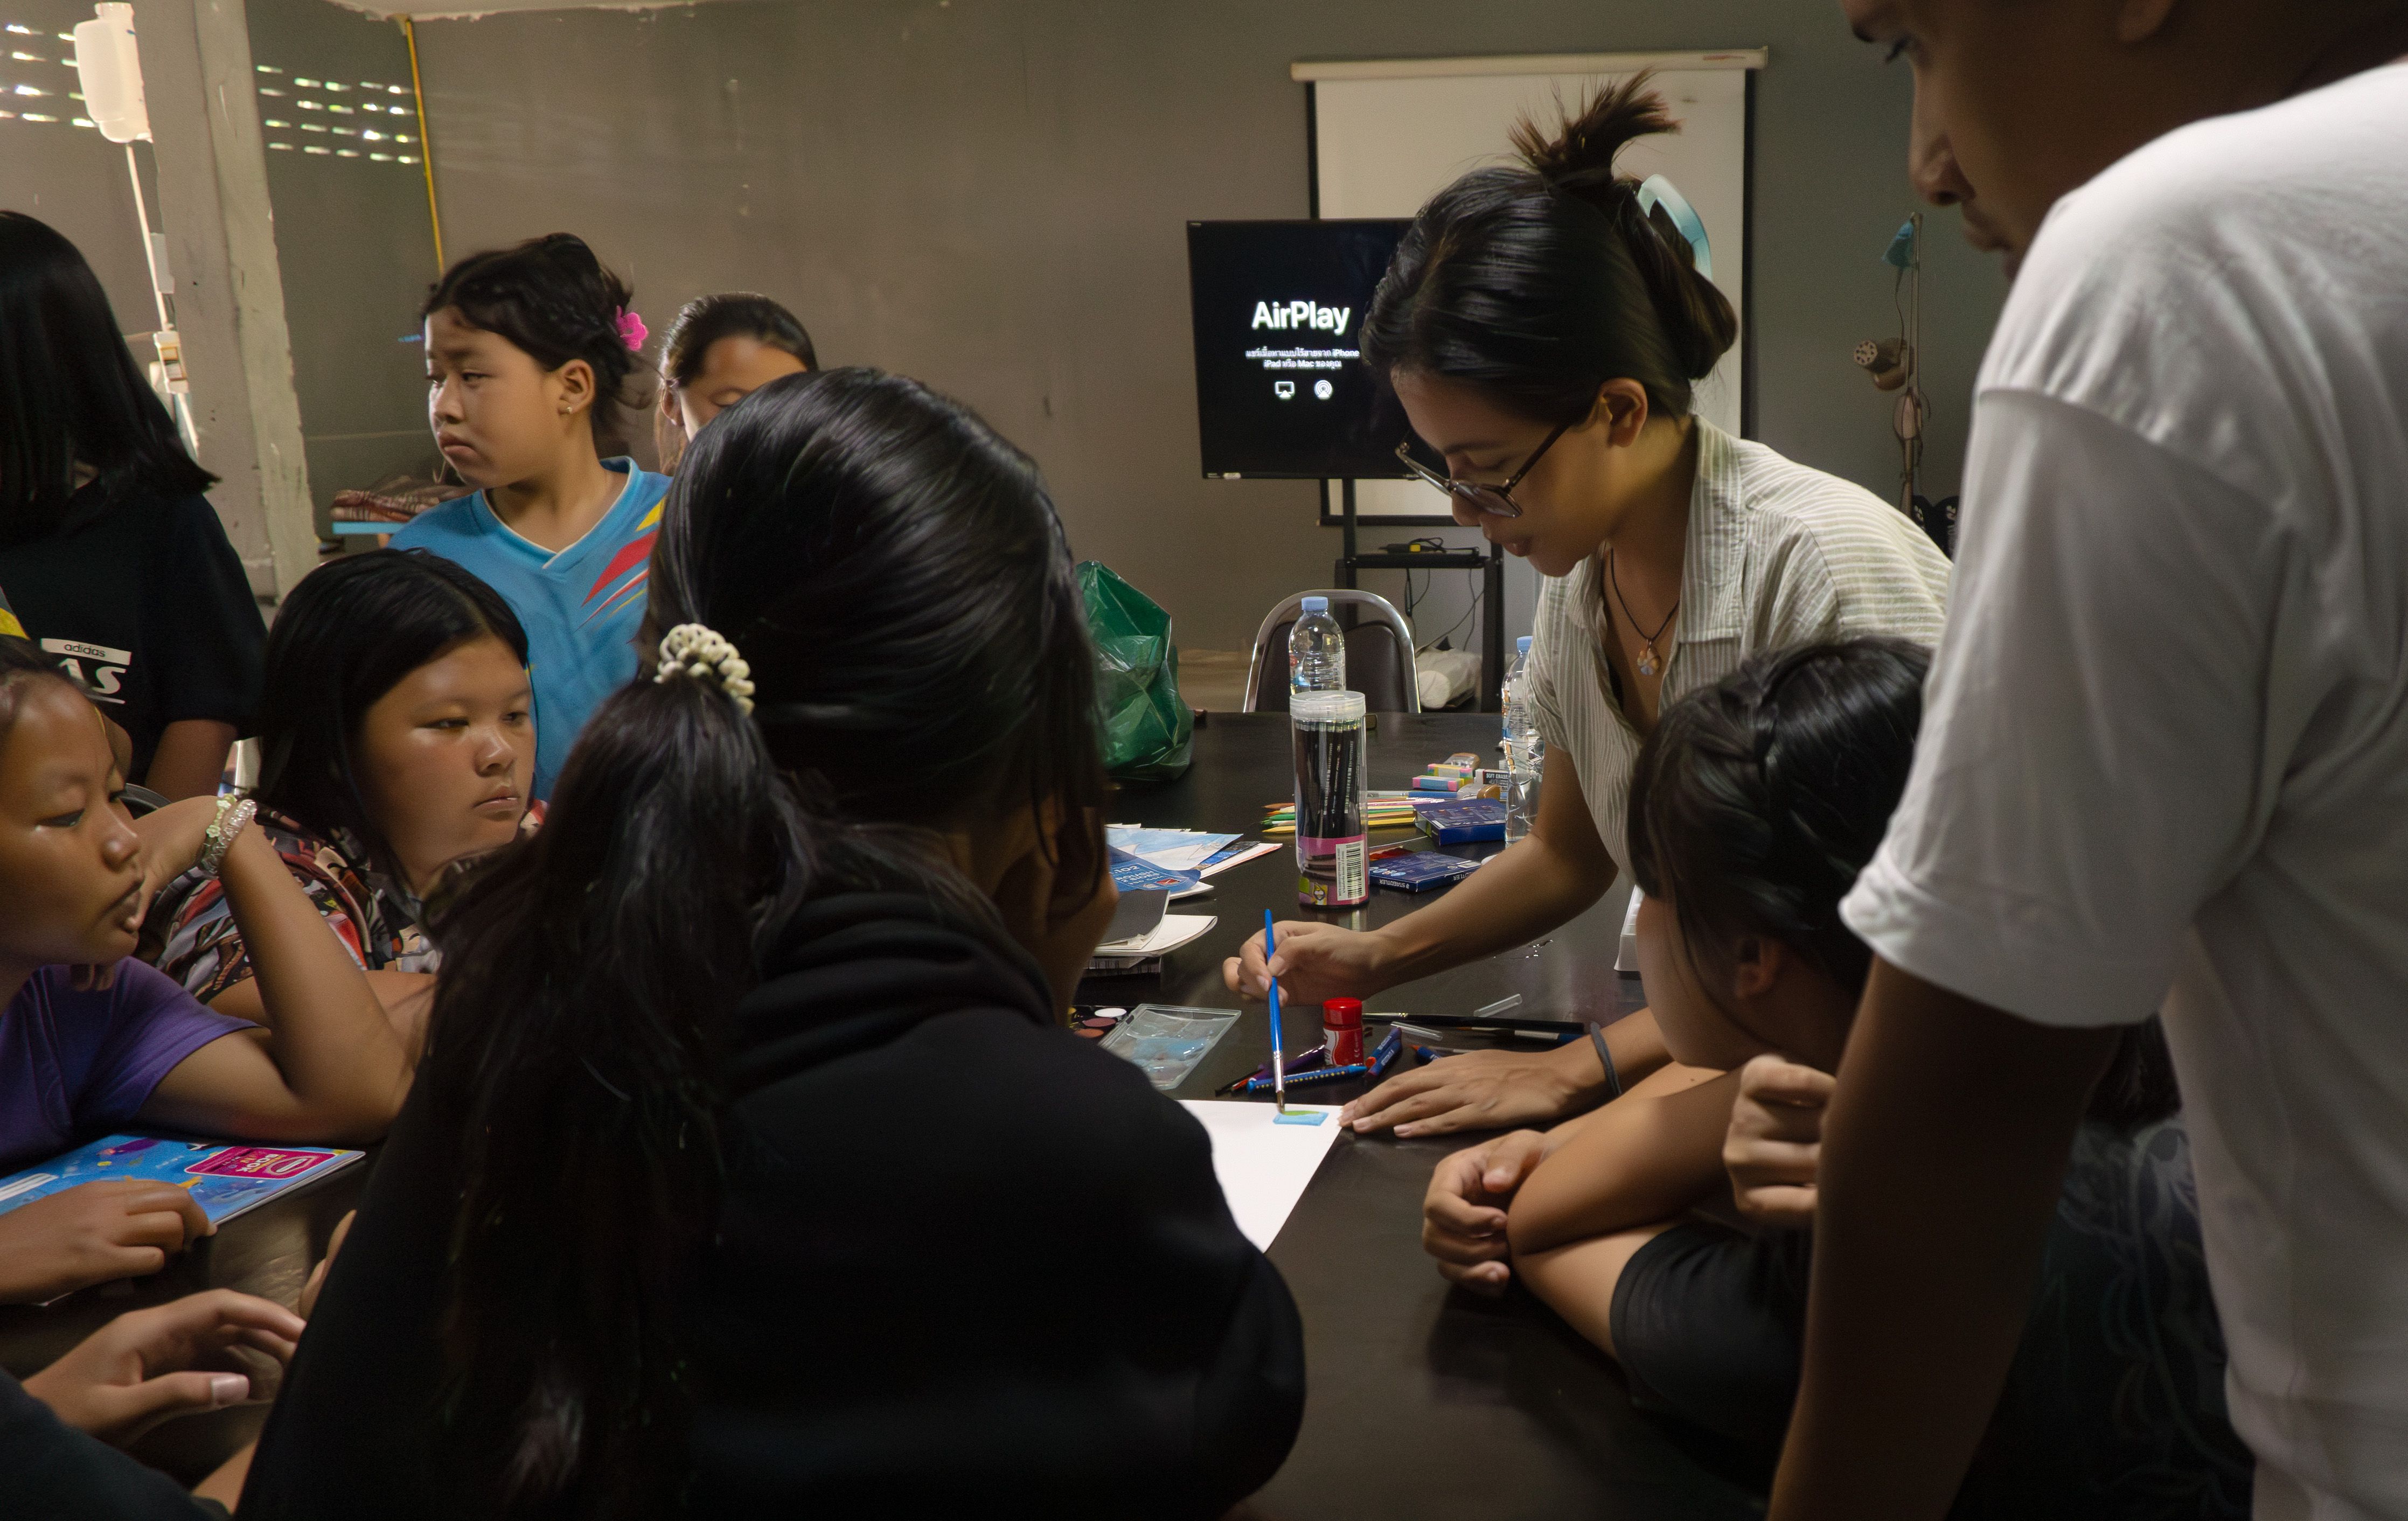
column 1342, row 1013
column 1316, row 604
column 1326, row 707
column 1522, row 645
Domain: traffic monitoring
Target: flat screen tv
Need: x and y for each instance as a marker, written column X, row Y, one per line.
column 1280, row 389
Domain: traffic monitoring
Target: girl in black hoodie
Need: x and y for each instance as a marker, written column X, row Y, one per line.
column 749, row 1168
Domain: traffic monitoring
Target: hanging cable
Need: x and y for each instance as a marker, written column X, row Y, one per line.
column 425, row 144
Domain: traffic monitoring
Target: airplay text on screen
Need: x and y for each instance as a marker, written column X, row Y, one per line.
column 1281, row 386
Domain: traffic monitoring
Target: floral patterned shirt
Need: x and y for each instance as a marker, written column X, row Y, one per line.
column 189, row 933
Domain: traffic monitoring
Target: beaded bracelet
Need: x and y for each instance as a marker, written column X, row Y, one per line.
column 233, row 813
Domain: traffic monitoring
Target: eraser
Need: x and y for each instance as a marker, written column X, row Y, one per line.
column 1301, row 1116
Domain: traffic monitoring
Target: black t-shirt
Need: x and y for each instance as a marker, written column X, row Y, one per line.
column 146, row 602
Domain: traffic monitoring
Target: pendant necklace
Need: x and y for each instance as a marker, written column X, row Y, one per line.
column 1648, row 663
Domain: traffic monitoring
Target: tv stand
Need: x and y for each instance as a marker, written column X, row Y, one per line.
column 1492, row 568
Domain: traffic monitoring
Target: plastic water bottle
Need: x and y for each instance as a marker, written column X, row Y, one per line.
column 1316, row 650
column 1524, row 751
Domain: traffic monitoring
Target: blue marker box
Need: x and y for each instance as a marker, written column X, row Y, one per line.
column 1465, row 822
column 1419, row 871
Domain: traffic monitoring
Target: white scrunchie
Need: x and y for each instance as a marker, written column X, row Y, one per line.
column 693, row 650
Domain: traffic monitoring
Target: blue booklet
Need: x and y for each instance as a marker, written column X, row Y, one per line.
column 224, row 1178
column 1136, row 874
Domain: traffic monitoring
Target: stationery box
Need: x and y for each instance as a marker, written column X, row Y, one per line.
column 1419, row 871
column 1464, row 823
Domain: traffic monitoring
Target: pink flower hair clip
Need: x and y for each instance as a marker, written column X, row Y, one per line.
column 632, row 331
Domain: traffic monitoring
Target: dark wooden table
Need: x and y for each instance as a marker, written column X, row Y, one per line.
column 1423, row 1401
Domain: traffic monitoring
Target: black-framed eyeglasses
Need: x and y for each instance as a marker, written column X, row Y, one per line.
column 1496, row 502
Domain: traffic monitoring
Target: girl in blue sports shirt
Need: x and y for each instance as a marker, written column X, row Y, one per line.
column 526, row 347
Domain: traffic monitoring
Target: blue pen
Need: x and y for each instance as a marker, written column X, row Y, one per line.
column 1314, row 1058
column 1319, row 1074
column 1279, row 1074
column 1392, row 1043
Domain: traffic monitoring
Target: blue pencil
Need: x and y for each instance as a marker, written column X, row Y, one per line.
column 1279, row 1071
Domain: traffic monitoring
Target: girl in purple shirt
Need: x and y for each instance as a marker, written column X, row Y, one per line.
column 92, row 1042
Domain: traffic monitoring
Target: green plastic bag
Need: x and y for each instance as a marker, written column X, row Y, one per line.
column 1149, row 734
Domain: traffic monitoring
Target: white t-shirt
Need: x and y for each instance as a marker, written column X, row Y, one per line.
column 2165, row 758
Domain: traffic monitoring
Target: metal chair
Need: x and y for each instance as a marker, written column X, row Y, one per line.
column 1379, row 653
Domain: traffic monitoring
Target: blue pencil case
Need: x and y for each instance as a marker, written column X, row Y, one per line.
column 1465, row 822
column 1418, row 871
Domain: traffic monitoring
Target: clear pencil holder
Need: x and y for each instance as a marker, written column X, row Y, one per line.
column 1331, row 841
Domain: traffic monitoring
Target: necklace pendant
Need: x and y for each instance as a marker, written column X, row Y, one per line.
column 1647, row 659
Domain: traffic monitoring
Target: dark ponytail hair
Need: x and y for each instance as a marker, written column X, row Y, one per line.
column 895, row 576
column 552, row 299
column 703, row 322
column 1541, row 282
column 1757, row 801
column 70, row 393
column 347, row 635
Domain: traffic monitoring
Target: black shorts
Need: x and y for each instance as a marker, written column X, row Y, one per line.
column 2114, row 1404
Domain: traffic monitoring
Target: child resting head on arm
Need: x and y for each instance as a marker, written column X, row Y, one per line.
column 1752, row 808
column 396, row 737
column 91, row 1042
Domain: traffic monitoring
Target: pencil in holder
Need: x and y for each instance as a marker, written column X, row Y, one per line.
column 1331, row 838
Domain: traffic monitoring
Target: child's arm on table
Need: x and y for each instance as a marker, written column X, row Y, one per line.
column 1464, row 1211
column 329, row 1066
column 1608, row 1191
column 1646, row 1158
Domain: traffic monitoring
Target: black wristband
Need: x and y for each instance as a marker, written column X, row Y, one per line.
column 1612, row 1078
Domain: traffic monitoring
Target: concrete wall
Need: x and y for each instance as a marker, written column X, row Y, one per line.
column 357, row 251
column 70, row 177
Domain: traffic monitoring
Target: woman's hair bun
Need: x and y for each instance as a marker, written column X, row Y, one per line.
column 1538, row 282
column 1578, row 156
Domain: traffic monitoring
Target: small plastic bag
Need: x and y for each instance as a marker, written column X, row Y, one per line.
column 1167, row 1042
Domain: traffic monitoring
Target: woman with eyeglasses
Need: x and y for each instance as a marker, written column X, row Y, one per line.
column 1544, row 325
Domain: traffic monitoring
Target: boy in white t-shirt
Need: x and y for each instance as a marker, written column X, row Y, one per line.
column 2166, row 753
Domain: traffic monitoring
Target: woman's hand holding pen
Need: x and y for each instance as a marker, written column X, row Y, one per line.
column 1463, row 1214
column 1314, row 962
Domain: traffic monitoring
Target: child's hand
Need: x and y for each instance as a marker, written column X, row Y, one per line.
column 121, row 1228
column 316, row 1283
column 145, row 1366
column 1775, row 1141
column 172, row 838
column 1463, row 1214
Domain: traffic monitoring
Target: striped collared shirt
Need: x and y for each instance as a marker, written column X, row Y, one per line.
column 1777, row 554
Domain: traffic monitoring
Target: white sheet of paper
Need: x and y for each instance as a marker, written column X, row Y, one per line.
column 1263, row 1166
column 1175, row 930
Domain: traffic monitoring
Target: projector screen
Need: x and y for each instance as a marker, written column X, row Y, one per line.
column 1279, row 386
column 1386, row 135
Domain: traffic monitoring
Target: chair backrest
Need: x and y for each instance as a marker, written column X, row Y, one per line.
column 1379, row 653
